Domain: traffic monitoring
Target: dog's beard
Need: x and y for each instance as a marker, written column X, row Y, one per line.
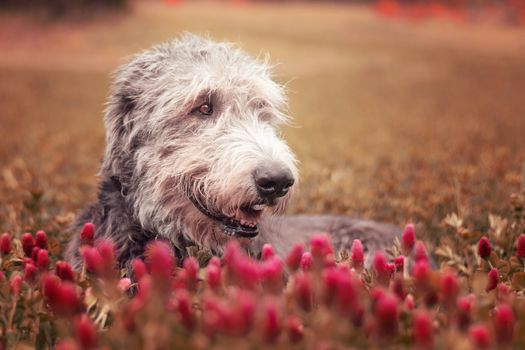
column 233, row 215
column 240, row 221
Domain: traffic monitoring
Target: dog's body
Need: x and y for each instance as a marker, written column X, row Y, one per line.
column 193, row 157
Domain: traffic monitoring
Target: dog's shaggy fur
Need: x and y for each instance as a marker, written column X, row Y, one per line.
column 189, row 123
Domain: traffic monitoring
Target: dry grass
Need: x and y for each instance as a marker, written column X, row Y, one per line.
column 395, row 121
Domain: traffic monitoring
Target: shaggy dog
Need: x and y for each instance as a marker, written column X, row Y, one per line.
column 193, row 157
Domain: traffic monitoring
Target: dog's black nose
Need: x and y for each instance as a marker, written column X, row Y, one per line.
column 273, row 180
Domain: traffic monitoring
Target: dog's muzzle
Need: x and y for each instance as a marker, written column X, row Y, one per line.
column 229, row 226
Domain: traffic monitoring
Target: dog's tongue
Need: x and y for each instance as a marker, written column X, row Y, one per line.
column 236, row 229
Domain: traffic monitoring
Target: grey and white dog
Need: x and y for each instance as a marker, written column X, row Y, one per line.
column 193, row 156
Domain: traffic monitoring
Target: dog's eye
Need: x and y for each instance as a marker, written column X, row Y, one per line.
column 205, row 109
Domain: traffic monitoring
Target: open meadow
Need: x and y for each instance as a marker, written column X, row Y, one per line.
column 394, row 120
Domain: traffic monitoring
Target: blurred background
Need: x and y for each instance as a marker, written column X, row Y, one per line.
column 404, row 110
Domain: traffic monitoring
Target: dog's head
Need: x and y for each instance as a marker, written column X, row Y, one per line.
column 192, row 137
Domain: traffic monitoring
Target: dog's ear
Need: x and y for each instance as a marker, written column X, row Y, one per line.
column 120, row 119
column 126, row 101
column 130, row 82
column 123, row 101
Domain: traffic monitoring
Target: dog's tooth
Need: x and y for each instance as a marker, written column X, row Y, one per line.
column 258, row 207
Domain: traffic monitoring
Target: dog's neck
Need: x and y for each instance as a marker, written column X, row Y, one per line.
column 179, row 244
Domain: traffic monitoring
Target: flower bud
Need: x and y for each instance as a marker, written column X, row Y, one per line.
column 421, row 273
column 231, row 319
column 160, row 260
column 408, row 238
column 346, row 292
column 272, row 273
column 64, row 271
column 245, row 310
column 129, row 313
column 306, row 261
column 143, row 289
column 358, row 254
column 294, row 327
column 303, row 291
column 27, row 243
column 521, row 246
column 422, row 330
column 240, row 268
column 15, row 284
column 293, row 260
column 479, row 336
column 191, row 266
column 271, row 325
column 213, row 318
column 106, row 249
column 42, row 260
column 34, row 254
column 504, row 321
column 215, row 261
column 26, row 261
column 139, row 269
column 381, row 268
column 398, row 286
column 331, row 277
column 399, row 263
column 409, row 302
column 465, row 305
column 85, row 332
column 484, row 248
column 5, row 244
column 386, row 315
column 267, row 252
column 92, row 259
column 449, row 288
column 50, row 285
column 320, row 246
column 420, row 252
column 184, row 307
column 87, row 235
column 61, row 296
column 41, row 239
column 213, row 276
column 377, row 293
column 29, row 272
column 492, row 279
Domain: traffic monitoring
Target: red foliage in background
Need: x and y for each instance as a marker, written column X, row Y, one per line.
column 505, row 11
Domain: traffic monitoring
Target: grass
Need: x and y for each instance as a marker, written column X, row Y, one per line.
column 395, row 121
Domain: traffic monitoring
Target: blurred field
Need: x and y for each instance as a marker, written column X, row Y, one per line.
column 396, row 121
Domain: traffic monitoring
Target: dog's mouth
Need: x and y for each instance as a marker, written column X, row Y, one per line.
column 244, row 223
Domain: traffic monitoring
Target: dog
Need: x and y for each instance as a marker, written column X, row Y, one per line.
column 194, row 157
